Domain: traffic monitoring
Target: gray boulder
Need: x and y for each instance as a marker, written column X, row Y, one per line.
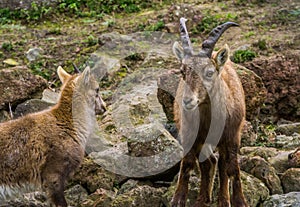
column 291, row 199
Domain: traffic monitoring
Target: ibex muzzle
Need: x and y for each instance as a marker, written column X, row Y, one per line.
column 199, row 70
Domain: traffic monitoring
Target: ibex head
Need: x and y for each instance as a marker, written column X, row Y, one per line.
column 87, row 84
column 200, row 71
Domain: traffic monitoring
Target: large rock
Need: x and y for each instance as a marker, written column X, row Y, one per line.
column 93, row 177
column 31, row 106
column 280, row 75
column 288, row 129
column 19, row 84
column 262, row 170
column 291, row 199
column 139, row 145
column 281, row 161
column 264, row 152
column 255, row 91
column 291, row 180
column 287, row 142
column 255, row 190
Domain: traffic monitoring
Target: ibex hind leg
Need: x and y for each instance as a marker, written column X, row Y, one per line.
column 223, row 200
column 237, row 198
column 53, row 185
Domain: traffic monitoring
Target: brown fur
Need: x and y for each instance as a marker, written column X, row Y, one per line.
column 227, row 93
column 45, row 148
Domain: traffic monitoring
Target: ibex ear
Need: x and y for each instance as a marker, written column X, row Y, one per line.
column 178, row 51
column 62, row 74
column 221, row 57
column 86, row 75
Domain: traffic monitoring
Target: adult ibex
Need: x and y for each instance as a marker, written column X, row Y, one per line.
column 209, row 111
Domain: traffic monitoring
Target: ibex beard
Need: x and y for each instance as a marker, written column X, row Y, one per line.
column 45, row 148
column 209, row 92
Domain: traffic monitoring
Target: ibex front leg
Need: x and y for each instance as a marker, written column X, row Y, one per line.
column 207, row 168
column 187, row 164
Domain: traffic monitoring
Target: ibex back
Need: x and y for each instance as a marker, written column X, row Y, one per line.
column 209, row 112
column 45, row 148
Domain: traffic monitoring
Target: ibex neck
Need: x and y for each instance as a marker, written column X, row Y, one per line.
column 84, row 118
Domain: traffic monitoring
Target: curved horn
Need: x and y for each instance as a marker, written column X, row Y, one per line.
column 209, row 44
column 76, row 69
column 186, row 43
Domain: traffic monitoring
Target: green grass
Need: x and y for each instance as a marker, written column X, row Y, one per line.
column 80, row 8
column 241, row 56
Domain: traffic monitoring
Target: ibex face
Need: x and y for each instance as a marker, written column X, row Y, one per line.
column 200, row 71
column 93, row 93
column 89, row 87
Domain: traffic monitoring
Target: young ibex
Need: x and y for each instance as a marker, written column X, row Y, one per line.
column 209, row 111
column 45, row 148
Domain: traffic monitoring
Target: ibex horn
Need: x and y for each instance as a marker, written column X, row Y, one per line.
column 76, row 68
column 186, row 43
column 209, row 44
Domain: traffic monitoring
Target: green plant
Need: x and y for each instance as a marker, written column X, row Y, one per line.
column 261, row 44
column 36, row 12
column 241, row 56
column 211, row 21
column 7, row 46
column 249, row 34
column 91, row 40
column 158, row 26
column 37, row 68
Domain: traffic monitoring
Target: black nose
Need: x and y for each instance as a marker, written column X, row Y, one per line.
column 186, row 101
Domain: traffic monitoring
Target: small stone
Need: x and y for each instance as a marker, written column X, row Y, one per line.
column 33, row 53
column 11, row 62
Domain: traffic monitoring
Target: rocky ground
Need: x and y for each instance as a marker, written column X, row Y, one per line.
column 127, row 162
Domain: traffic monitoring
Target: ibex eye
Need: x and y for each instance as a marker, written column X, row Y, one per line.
column 209, row 74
